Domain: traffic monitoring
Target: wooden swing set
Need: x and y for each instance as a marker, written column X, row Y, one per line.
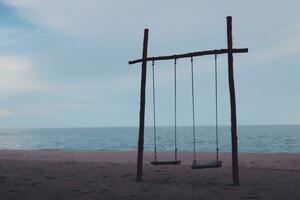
column 195, row 165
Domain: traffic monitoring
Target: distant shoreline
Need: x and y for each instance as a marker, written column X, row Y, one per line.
column 146, row 151
column 146, row 126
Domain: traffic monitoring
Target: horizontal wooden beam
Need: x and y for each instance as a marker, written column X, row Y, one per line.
column 192, row 54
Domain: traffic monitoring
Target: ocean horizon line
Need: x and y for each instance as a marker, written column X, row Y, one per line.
column 146, row 126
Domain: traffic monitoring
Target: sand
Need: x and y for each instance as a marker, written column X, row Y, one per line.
column 50, row 174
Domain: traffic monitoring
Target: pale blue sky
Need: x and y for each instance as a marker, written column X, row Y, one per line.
column 63, row 63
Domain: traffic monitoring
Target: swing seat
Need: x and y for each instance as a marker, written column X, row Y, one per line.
column 210, row 164
column 170, row 162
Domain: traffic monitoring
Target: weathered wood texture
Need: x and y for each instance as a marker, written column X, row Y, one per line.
column 192, row 54
column 142, row 109
column 234, row 144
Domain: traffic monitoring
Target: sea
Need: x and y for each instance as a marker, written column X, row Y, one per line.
column 262, row 138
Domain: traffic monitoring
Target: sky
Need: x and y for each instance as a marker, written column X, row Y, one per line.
column 64, row 63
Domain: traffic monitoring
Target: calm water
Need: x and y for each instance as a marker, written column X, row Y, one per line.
column 251, row 138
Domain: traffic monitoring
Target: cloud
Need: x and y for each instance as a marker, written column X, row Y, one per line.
column 119, row 19
column 284, row 46
column 180, row 24
column 5, row 113
column 289, row 45
column 176, row 26
column 18, row 75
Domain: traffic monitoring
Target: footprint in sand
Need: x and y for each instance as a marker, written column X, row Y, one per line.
column 34, row 184
column 126, row 175
column 50, row 177
column 225, row 188
column 251, row 195
column 87, row 192
column 74, row 190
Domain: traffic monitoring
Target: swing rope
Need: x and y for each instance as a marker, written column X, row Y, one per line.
column 154, row 114
column 154, row 110
column 216, row 104
column 193, row 108
column 175, row 109
column 216, row 108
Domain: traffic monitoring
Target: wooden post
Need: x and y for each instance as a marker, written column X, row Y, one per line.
column 142, row 109
column 234, row 144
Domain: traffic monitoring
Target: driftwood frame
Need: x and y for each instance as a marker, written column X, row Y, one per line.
column 229, row 51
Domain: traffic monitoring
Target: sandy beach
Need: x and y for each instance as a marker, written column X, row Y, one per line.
column 51, row 174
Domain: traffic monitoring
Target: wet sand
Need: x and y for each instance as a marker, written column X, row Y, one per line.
column 51, row 174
